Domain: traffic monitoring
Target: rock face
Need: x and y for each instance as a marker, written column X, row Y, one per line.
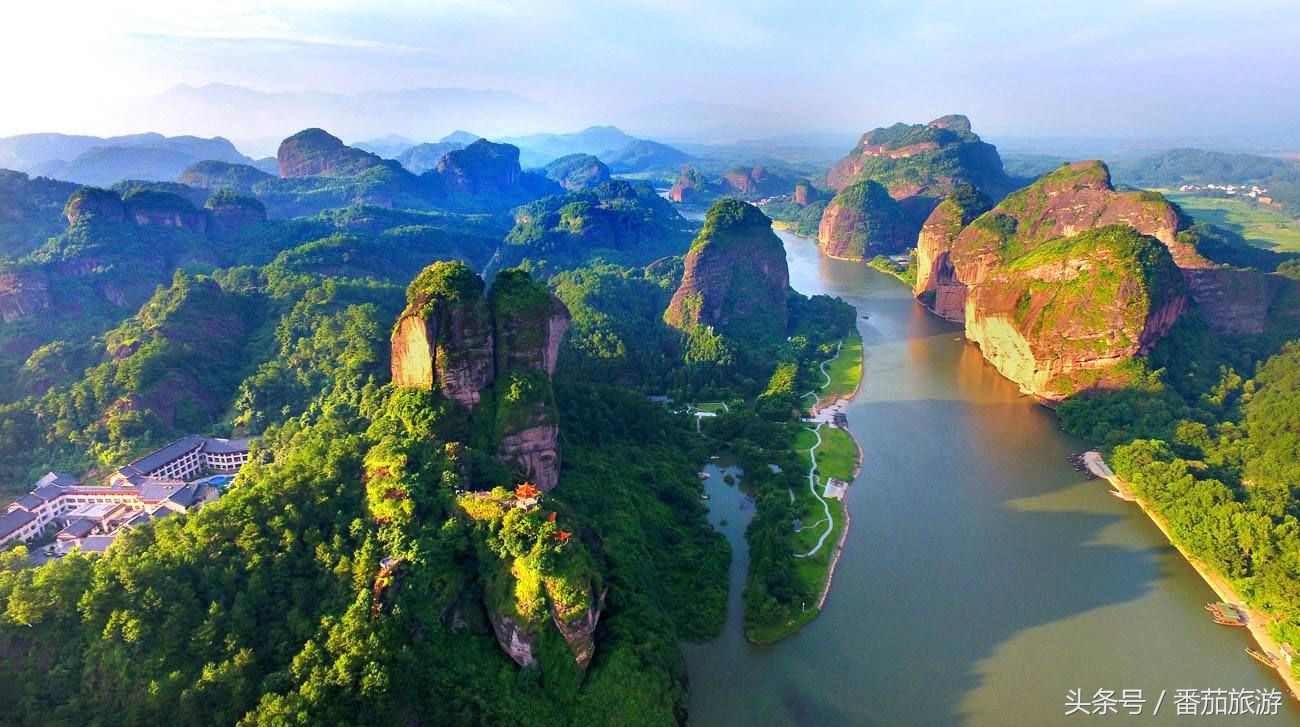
column 22, row 293
column 754, row 182
column 804, row 193
column 1073, row 199
column 230, row 212
column 921, row 164
column 1060, row 318
column 1062, row 281
column 691, row 187
column 863, row 221
column 736, row 278
column 94, row 202
column 1234, row 302
column 453, row 338
column 580, row 632
column 317, row 153
column 444, row 337
column 576, row 172
column 164, row 209
column 529, row 325
column 516, row 642
column 423, row 157
column 480, row 168
column 937, row 285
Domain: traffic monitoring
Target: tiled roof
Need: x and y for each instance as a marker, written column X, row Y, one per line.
column 62, row 479
column 30, row 501
column 96, row 543
column 160, row 457
column 224, row 446
column 185, row 496
column 78, row 528
column 50, row 491
column 13, row 521
column 152, row 490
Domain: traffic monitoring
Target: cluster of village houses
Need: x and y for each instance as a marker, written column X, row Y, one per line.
column 1259, row 194
column 181, row 476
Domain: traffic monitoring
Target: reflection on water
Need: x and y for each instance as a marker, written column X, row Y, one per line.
column 983, row 578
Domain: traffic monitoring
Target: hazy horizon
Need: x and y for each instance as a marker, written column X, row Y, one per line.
column 667, row 69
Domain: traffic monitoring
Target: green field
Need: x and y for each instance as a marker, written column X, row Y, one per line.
column 845, row 371
column 836, row 457
column 716, row 407
column 1267, row 227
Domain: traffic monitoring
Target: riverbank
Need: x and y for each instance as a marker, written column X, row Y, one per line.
column 818, row 551
column 1256, row 620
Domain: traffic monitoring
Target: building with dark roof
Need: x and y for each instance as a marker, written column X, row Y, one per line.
column 19, row 525
column 154, row 484
column 77, row 529
column 187, row 457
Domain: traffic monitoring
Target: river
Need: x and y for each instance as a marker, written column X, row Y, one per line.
column 983, row 578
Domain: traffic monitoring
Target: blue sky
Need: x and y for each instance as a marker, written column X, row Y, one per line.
column 1100, row 68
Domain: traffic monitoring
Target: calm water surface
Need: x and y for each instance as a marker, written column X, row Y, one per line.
column 983, row 577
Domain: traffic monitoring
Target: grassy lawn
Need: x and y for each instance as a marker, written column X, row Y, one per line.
column 846, row 370
column 716, row 407
column 1267, row 227
column 837, row 455
column 812, row 570
column 772, row 633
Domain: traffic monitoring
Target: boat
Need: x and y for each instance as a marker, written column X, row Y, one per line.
column 1121, row 496
column 1262, row 657
column 1226, row 614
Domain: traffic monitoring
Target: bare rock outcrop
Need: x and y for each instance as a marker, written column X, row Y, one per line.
column 736, row 279
column 1062, row 318
column 444, row 337
column 529, row 325
column 691, row 187
column 937, row 285
column 148, row 207
column 453, row 338
column 580, row 632
column 920, row 164
column 483, row 167
column 229, row 212
column 516, row 642
column 94, row 202
column 863, row 221
column 22, row 293
column 317, row 153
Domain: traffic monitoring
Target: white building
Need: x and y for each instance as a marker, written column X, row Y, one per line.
column 153, row 485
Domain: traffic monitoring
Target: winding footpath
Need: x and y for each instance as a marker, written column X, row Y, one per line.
column 812, row 487
column 812, row 456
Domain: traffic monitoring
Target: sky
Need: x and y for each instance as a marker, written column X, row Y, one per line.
column 1136, row 68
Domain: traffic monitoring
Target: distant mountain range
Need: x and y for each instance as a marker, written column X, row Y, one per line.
column 104, row 160
column 258, row 119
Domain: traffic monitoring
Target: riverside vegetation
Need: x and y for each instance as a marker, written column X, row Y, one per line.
column 349, row 575
column 343, row 577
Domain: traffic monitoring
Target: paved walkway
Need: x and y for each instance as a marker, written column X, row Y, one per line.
column 820, row 417
column 812, row 487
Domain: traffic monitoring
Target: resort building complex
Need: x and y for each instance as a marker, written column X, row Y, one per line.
column 90, row 515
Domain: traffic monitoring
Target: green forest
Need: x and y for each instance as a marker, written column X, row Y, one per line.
column 1208, row 438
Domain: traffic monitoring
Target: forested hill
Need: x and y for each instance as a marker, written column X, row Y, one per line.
column 347, row 576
